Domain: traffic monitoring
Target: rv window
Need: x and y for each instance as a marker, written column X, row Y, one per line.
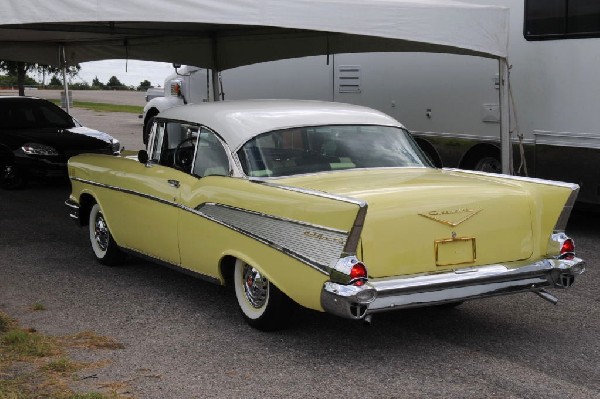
column 561, row 19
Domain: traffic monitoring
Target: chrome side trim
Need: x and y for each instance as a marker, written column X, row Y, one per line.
column 131, row 192
column 567, row 139
column 276, row 218
column 320, row 256
column 572, row 186
column 354, row 237
column 561, row 223
column 455, row 286
column 317, row 246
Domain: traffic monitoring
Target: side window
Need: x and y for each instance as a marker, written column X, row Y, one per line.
column 561, row 19
column 173, row 144
column 211, row 158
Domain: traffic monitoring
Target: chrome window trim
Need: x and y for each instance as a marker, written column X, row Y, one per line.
column 230, row 158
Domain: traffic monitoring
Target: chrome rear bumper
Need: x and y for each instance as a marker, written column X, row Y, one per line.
column 381, row 295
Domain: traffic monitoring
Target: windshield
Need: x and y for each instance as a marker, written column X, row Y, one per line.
column 322, row 148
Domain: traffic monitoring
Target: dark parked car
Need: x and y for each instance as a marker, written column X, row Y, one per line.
column 37, row 138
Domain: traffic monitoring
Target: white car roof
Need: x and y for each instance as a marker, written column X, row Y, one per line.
column 238, row 121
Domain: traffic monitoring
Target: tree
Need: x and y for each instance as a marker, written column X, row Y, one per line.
column 55, row 81
column 97, row 84
column 49, row 70
column 17, row 69
column 114, row 83
column 145, row 85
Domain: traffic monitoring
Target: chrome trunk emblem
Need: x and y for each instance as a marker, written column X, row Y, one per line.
column 451, row 217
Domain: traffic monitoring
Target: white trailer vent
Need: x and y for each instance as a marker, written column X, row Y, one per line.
column 349, row 79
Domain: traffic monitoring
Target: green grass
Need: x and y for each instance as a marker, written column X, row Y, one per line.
column 25, row 344
column 105, row 107
column 62, row 365
column 5, row 323
column 91, row 395
column 33, row 366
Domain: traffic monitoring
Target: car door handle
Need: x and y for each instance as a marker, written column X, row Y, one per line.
column 174, row 183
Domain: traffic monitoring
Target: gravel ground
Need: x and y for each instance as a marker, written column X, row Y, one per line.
column 183, row 338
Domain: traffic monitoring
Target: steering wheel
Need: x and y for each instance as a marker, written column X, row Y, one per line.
column 182, row 157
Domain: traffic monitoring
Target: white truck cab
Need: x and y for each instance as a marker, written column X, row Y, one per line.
column 180, row 88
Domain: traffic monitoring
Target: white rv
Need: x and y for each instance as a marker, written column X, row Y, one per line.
column 450, row 102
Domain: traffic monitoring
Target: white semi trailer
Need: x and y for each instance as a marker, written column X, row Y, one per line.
column 450, row 102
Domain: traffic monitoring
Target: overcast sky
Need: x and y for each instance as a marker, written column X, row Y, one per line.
column 137, row 71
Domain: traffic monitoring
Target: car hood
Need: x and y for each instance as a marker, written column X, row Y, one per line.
column 426, row 220
column 69, row 140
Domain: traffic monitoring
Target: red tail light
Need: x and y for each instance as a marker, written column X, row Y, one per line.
column 358, row 274
column 567, row 248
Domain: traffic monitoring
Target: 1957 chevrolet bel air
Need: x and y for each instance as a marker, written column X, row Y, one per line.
column 328, row 205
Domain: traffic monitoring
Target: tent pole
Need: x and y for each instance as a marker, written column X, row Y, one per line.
column 64, row 76
column 505, row 143
column 215, row 84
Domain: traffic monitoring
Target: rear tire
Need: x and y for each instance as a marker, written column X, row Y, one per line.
column 489, row 164
column 104, row 246
column 148, row 129
column 263, row 305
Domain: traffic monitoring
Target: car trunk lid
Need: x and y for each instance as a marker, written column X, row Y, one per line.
column 425, row 220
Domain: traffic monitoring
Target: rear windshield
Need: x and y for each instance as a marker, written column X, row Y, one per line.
column 27, row 114
column 323, row 148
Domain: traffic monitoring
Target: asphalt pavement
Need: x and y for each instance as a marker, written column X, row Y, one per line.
column 184, row 338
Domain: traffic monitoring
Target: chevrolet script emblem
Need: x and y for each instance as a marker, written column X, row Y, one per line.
column 452, row 217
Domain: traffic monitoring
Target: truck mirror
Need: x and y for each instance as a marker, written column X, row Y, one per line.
column 176, row 66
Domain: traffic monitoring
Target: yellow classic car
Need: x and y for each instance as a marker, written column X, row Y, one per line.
column 328, row 205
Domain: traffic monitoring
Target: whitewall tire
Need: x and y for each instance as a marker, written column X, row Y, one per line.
column 103, row 245
column 262, row 305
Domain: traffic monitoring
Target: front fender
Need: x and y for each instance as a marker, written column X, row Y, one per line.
column 161, row 104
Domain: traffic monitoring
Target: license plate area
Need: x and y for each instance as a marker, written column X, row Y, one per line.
column 455, row 251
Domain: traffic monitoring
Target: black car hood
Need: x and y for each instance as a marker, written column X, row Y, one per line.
column 67, row 140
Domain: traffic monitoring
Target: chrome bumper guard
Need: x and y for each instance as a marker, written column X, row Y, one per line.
column 73, row 208
column 382, row 295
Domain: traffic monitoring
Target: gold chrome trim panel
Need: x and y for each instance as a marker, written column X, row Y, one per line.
column 316, row 246
column 354, row 237
column 439, row 216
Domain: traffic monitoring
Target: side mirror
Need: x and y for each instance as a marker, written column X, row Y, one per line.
column 143, row 156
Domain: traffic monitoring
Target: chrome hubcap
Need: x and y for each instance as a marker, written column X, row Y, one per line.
column 101, row 232
column 256, row 287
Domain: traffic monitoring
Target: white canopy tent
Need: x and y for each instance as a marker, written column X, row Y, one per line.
column 220, row 34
